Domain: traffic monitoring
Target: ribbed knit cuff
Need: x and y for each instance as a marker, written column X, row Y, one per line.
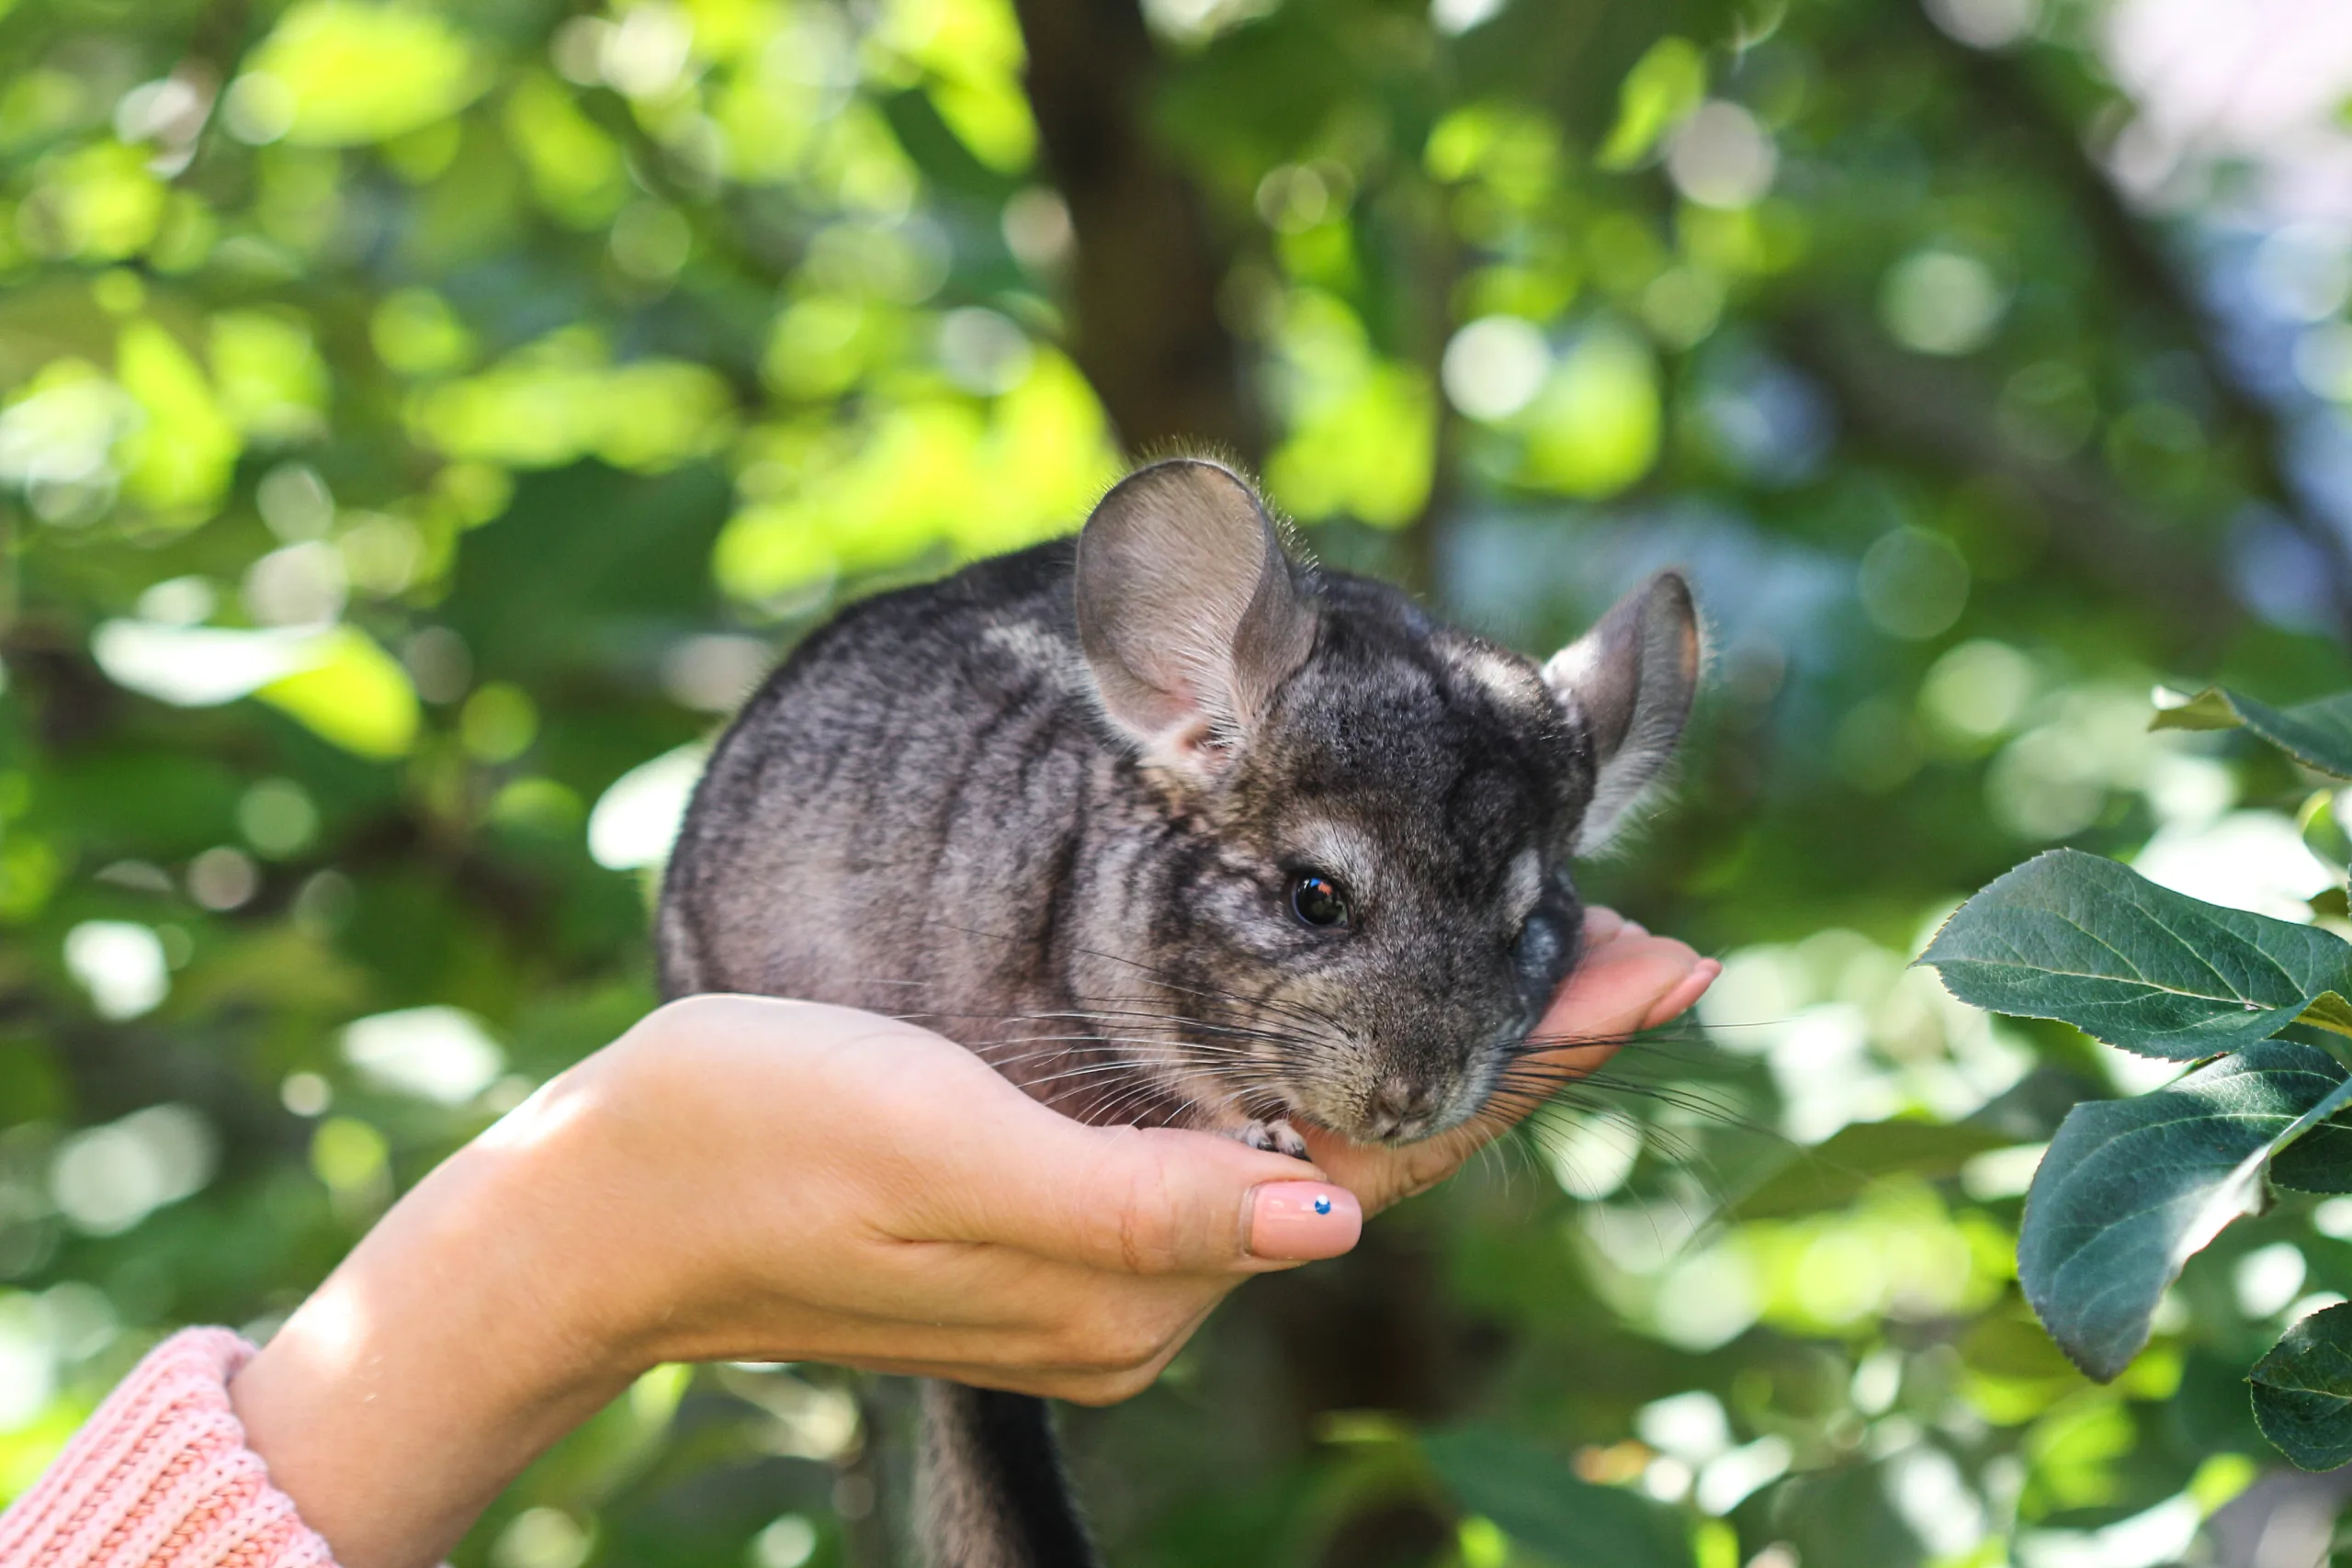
column 161, row 1478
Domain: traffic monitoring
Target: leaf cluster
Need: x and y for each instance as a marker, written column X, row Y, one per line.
column 2131, row 1188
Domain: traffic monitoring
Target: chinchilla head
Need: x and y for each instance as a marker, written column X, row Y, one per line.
column 1367, row 897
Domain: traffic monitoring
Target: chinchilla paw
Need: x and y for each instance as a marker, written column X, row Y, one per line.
column 1276, row 1135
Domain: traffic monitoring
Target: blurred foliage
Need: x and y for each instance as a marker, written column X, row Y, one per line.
column 420, row 423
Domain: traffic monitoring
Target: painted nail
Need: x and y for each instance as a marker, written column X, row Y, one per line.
column 1296, row 1221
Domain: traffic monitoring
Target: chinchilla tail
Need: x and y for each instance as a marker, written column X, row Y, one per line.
column 991, row 1490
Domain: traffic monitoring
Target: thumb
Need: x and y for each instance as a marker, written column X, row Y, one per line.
column 1156, row 1200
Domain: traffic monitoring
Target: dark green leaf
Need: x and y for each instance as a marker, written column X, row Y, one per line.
column 1835, row 1173
column 2082, row 939
column 2303, row 1391
column 2131, row 1188
column 2316, row 734
column 1543, row 1504
column 2319, row 1161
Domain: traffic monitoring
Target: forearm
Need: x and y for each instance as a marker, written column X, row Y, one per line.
column 448, row 1350
column 736, row 1179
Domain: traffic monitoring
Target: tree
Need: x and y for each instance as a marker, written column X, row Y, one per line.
column 419, row 423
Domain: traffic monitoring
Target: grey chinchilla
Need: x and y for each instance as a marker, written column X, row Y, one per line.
column 1174, row 830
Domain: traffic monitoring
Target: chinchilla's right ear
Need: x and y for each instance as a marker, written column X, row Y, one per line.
column 1190, row 612
column 1629, row 682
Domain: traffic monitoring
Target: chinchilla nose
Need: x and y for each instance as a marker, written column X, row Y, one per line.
column 1399, row 1107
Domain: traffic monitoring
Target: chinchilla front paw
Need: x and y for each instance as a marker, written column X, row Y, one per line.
column 1276, row 1134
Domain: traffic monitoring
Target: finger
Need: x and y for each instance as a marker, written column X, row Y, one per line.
column 973, row 1159
column 1684, row 997
column 1601, row 924
column 1615, row 989
column 1380, row 1174
column 1155, row 1201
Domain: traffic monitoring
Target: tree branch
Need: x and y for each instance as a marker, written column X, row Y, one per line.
column 1930, row 415
column 1143, row 288
column 2140, row 260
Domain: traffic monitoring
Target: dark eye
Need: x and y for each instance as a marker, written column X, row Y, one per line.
column 1318, row 900
column 1539, row 940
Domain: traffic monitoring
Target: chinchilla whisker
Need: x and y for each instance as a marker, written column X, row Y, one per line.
column 1097, row 1069
column 1718, row 1111
column 1174, row 1022
column 1077, row 1013
column 1555, row 1139
column 1279, row 1005
column 1080, row 1015
column 1109, row 1113
column 1697, row 1101
column 1546, row 1117
column 1176, row 1052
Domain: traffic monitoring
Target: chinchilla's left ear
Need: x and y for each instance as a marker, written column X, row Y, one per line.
column 1629, row 682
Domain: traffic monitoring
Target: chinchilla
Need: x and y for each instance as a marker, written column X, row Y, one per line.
column 1174, row 829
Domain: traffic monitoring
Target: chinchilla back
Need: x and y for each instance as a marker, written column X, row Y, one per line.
column 892, row 822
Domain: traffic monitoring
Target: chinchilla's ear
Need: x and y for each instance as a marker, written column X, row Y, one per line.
column 1629, row 682
column 1190, row 612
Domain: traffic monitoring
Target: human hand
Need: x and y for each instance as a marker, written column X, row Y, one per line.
column 748, row 1179
column 814, row 1183
column 1627, row 980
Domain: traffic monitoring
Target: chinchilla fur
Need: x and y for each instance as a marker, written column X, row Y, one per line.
column 1174, row 830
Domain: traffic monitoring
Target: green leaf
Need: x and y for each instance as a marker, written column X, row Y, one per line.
column 2209, row 709
column 1543, row 1505
column 2303, row 1391
column 1833, row 1174
column 2131, row 1188
column 2323, row 834
column 2319, row 1161
column 2316, row 734
column 338, row 73
column 2081, row 939
column 1659, row 93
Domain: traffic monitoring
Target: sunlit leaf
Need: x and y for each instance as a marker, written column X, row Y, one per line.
column 2131, row 1188
column 179, row 458
column 1361, row 441
column 200, row 666
column 1543, row 1505
column 2089, row 942
column 559, row 399
column 2316, row 734
column 973, row 51
column 2303, row 1391
column 355, row 695
column 1663, row 88
column 1834, row 1173
column 342, row 72
column 1595, row 427
column 103, row 200
column 575, row 166
column 273, row 382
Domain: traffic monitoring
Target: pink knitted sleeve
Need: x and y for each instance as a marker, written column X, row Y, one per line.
column 161, row 1478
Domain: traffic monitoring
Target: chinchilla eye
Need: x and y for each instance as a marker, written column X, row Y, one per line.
column 1318, row 900
column 1540, row 941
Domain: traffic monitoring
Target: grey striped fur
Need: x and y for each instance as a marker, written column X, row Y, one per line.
column 1055, row 804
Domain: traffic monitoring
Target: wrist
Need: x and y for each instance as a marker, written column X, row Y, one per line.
column 458, row 1341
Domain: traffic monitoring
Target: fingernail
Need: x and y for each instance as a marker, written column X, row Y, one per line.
column 1296, row 1220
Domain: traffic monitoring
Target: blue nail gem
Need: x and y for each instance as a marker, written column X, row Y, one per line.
column 1322, row 1205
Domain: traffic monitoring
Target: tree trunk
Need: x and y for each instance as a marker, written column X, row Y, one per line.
column 1144, row 289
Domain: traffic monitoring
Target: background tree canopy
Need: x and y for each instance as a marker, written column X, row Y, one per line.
column 420, row 423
